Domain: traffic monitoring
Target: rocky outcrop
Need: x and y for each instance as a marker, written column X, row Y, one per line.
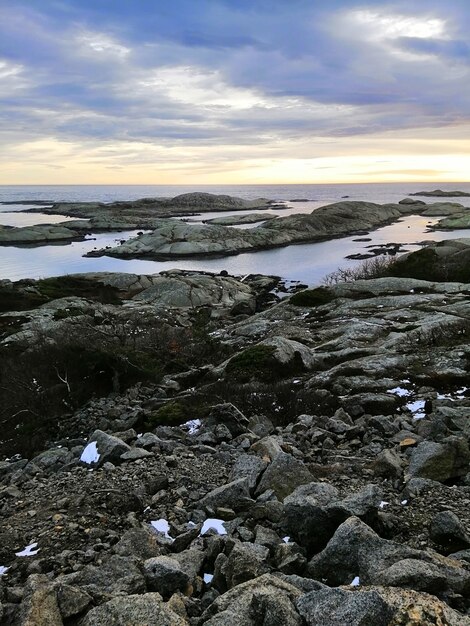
column 233, row 220
column 179, row 240
column 39, row 234
column 439, row 193
column 314, row 469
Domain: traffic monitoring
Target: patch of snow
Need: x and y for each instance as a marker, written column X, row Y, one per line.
column 286, row 539
column 29, row 550
column 296, row 381
column 3, row 570
column 404, row 502
column 192, row 426
column 214, row 524
column 417, row 408
column 208, row 578
column 192, row 524
column 383, row 503
column 400, row 392
column 162, row 526
column 90, row 454
column 355, row 582
column 147, row 508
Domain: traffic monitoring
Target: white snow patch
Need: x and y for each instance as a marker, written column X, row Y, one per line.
column 162, row 526
column 192, row 524
column 213, row 524
column 208, row 578
column 296, row 381
column 417, row 408
column 3, row 570
column 90, row 454
column 29, row 550
column 400, row 392
column 286, row 539
column 383, row 503
column 355, row 582
column 404, row 502
column 192, row 426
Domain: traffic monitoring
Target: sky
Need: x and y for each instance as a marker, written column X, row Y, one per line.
column 234, row 91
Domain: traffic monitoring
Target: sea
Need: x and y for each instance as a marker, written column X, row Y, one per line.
column 307, row 263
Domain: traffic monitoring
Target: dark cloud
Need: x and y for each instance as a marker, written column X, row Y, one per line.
column 236, row 72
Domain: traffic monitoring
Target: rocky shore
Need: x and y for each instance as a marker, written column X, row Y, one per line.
column 298, row 460
column 166, row 237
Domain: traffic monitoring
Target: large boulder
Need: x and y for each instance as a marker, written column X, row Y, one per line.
column 283, row 475
column 234, row 495
column 356, row 550
column 336, row 607
column 108, row 447
column 442, row 461
column 134, row 610
column 165, row 575
column 265, row 600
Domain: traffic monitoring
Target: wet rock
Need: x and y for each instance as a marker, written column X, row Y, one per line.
column 283, row 475
column 139, row 610
column 336, row 607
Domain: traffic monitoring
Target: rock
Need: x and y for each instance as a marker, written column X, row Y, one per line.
column 234, row 495
column 250, row 467
column 448, row 532
column 39, row 234
column 336, row 607
column 438, row 193
column 172, row 238
column 148, row 440
column 40, row 606
column 134, row 454
column 52, row 460
column 72, row 600
column 283, row 475
column 265, row 600
column 440, row 461
column 138, row 542
column 249, row 218
column 117, row 575
column 414, row 574
column 388, row 464
column 136, row 610
column 165, row 575
column 305, row 516
column 267, row 448
column 109, row 448
column 229, row 416
column 355, row 550
column 245, row 561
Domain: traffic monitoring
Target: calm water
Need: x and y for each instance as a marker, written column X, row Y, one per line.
column 308, row 262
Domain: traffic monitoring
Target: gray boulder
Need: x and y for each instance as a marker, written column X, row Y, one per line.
column 283, row 475
column 336, row 607
column 138, row 542
column 234, row 495
column 305, row 517
column 448, row 532
column 245, row 561
column 248, row 466
column 440, row 461
column 266, row 600
column 165, row 575
column 109, row 448
column 136, row 610
column 415, row 574
column 355, row 550
column 40, row 606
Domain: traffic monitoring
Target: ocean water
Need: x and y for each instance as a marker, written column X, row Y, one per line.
column 308, row 263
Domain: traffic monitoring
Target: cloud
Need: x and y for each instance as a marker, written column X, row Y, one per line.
column 258, row 75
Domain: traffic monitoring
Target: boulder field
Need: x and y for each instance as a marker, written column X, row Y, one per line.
column 312, row 469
